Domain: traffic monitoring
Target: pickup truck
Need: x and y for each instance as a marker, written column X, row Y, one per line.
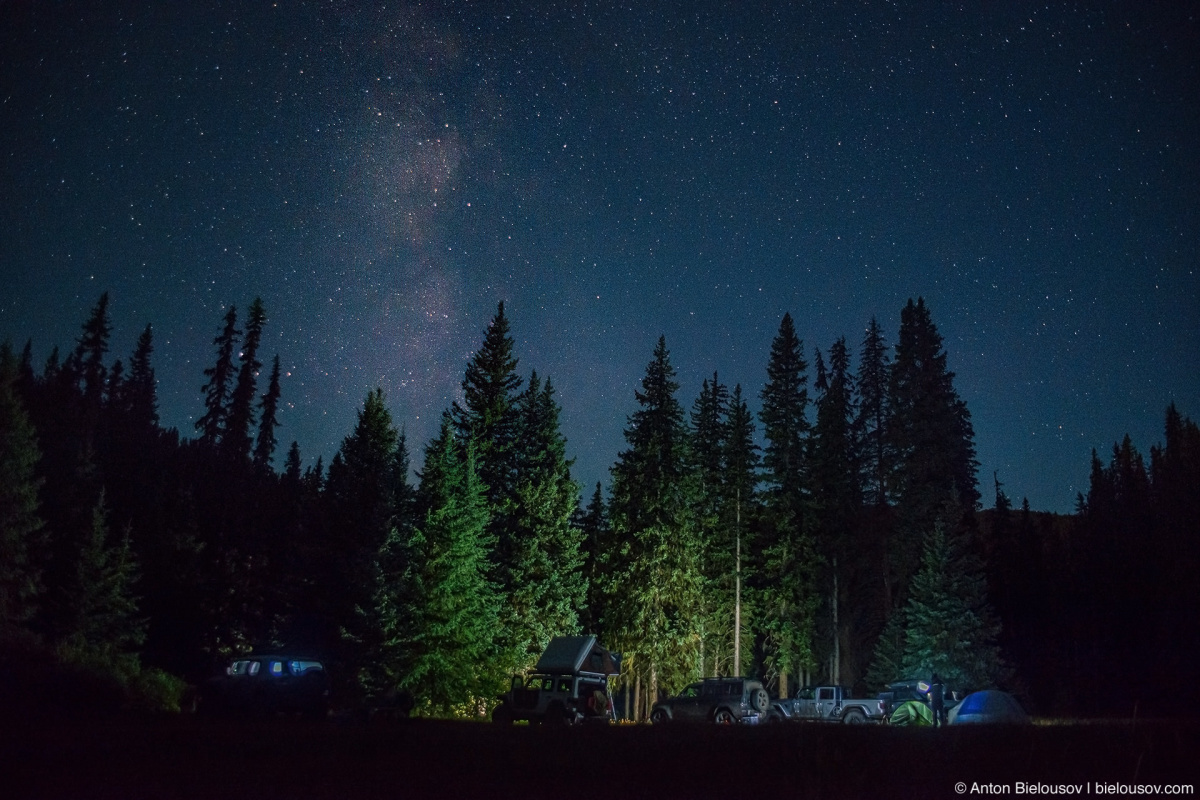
column 826, row 704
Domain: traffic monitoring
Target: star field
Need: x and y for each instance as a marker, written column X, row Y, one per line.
column 382, row 177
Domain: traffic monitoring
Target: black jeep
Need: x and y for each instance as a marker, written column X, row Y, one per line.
column 724, row 701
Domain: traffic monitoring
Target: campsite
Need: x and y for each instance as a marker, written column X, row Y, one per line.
column 188, row 757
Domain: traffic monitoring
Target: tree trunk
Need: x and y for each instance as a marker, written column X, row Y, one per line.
column 652, row 694
column 737, row 606
column 836, row 672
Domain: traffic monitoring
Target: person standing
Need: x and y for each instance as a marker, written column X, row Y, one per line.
column 937, row 700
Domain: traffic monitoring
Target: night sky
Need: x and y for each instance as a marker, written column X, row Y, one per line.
column 383, row 177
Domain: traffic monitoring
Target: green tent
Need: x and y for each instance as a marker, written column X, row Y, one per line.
column 912, row 712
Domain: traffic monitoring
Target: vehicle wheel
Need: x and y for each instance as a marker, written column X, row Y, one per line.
column 854, row 717
column 723, row 717
column 502, row 715
column 556, row 714
column 760, row 701
column 659, row 717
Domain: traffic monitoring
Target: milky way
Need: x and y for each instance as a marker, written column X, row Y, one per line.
column 383, row 178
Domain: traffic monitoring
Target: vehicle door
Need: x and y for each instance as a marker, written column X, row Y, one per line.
column 826, row 701
column 687, row 705
column 804, row 706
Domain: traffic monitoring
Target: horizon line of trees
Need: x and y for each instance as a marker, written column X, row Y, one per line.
column 849, row 548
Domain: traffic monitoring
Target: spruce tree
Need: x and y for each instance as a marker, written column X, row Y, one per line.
column 708, row 434
column 730, row 551
column 141, row 390
column 362, row 494
column 836, row 507
column 871, row 384
column 102, row 609
column 235, row 439
column 264, row 447
column 21, row 528
column 657, row 580
column 929, row 430
column 487, row 414
column 89, row 353
column 596, row 541
column 950, row 627
column 450, row 607
column 545, row 588
column 787, row 562
column 785, row 423
column 216, row 392
column 381, row 625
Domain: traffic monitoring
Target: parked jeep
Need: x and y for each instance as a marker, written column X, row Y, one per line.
column 724, row 701
column 569, row 685
column 268, row 684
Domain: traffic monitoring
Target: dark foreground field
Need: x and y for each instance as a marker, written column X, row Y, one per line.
column 194, row 758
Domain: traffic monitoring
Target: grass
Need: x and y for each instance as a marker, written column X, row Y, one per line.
column 184, row 757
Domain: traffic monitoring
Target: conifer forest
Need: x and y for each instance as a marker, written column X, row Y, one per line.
column 838, row 532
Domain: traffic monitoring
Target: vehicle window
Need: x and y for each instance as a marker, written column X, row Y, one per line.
column 252, row 668
column 690, row 691
column 564, row 684
column 276, row 668
column 805, row 694
column 825, row 693
column 300, row 667
column 238, row 668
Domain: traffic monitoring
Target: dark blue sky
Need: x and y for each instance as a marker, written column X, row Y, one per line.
column 383, row 178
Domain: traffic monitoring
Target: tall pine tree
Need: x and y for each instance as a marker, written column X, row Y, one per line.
column 21, row 527
column 930, row 434
column 264, row 447
column 488, row 415
column 363, row 497
column 450, row 608
column 657, row 583
column 836, row 509
column 950, row 628
column 786, row 564
column 236, row 437
column 544, row 579
column 211, row 424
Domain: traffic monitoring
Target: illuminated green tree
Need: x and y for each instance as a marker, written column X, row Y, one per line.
column 654, row 607
column 786, row 570
column 450, row 607
column 544, row 581
column 950, row 628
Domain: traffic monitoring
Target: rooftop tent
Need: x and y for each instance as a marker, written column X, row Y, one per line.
column 572, row 654
column 989, row 707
